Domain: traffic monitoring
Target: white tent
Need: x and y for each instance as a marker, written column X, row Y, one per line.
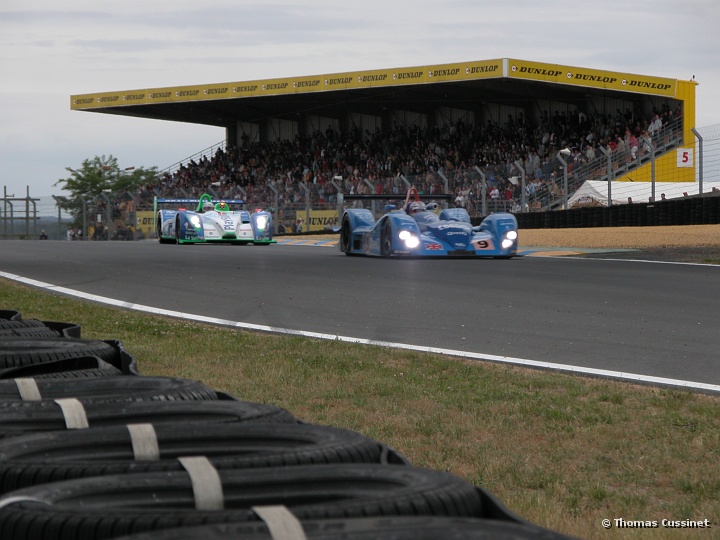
column 596, row 191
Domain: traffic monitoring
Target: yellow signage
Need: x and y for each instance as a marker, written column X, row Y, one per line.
column 145, row 222
column 459, row 71
column 624, row 82
column 321, row 220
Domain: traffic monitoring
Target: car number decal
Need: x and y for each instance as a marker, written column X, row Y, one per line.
column 483, row 244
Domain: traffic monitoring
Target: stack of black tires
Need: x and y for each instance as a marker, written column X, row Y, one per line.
column 90, row 449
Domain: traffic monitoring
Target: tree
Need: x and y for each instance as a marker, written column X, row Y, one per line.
column 96, row 176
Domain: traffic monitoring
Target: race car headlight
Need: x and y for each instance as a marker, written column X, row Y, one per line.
column 261, row 222
column 509, row 239
column 195, row 220
column 411, row 241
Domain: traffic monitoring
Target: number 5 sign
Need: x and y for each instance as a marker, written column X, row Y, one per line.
column 685, row 157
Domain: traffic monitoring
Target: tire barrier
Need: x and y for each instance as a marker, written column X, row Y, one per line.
column 17, row 417
column 389, row 528
column 111, row 389
column 25, row 351
column 129, row 503
column 62, row 455
column 89, row 449
column 10, row 319
column 81, row 367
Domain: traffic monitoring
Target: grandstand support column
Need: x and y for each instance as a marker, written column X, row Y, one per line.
column 483, row 190
column 608, row 155
column 231, row 135
column 523, row 194
column 560, row 154
column 700, row 160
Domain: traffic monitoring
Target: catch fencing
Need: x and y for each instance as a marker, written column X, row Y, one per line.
column 537, row 195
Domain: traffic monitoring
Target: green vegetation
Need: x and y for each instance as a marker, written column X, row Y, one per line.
column 95, row 176
column 561, row 451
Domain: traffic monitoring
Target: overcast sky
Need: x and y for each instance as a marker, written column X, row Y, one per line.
column 50, row 50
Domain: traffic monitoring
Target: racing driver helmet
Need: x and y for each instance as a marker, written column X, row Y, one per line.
column 208, row 206
column 416, row 206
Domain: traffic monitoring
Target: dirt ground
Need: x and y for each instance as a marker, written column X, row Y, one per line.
column 624, row 237
column 687, row 243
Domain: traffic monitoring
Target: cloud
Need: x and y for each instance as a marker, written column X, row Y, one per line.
column 50, row 50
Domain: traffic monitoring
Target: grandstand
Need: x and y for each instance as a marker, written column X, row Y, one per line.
column 502, row 134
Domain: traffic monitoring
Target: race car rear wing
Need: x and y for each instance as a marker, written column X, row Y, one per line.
column 411, row 194
column 188, row 203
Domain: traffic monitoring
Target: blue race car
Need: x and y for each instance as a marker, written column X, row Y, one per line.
column 211, row 222
column 416, row 230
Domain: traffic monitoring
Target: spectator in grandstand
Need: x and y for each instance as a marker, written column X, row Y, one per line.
column 622, row 149
column 631, row 143
column 656, row 125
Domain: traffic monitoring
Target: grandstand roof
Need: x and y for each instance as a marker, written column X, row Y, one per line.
column 465, row 85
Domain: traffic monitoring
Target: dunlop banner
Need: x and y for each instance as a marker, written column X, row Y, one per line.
column 145, row 222
column 245, row 89
column 321, row 220
column 464, row 71
column 91, row 101
column 340, row 81
column 277, row 86
column 625, row 82
column 375, row 77
column 482, row 70
column 216, row 91
column 135, row 97
column 416, row 75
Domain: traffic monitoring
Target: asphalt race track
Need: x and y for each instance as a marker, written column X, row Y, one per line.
column 649, row 319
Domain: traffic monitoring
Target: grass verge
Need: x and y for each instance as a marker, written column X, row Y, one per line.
column 561, row 451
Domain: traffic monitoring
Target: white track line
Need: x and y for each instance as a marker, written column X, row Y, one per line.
column 602, row 373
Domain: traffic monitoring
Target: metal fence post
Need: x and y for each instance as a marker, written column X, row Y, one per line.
column 700, row 159
column 523, row 194
column 560, row 154
column 609, row 173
